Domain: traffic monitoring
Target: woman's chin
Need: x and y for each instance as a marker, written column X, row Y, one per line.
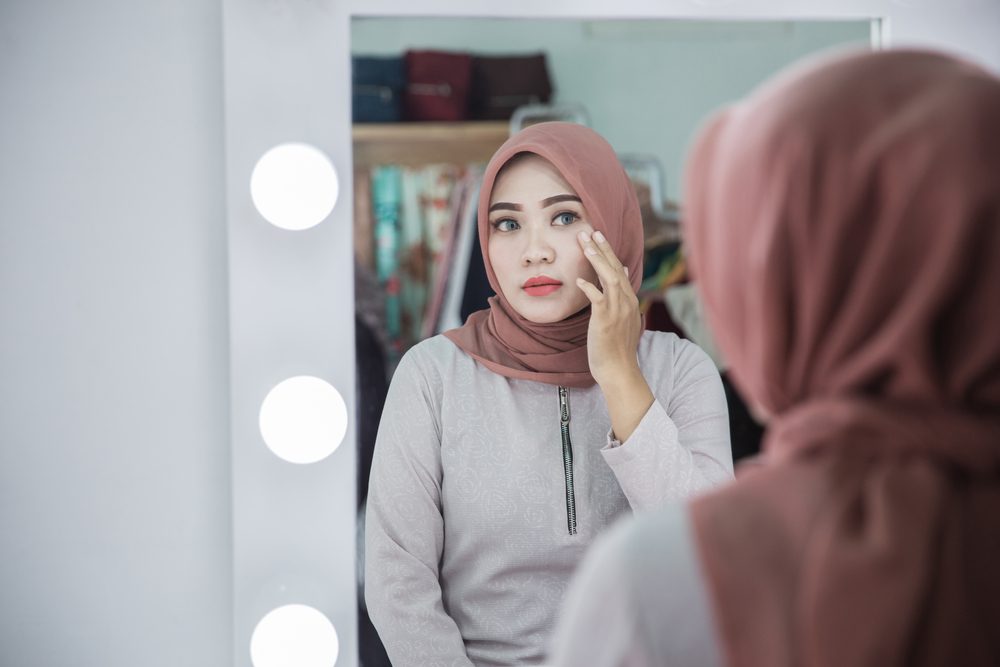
column 549, row 315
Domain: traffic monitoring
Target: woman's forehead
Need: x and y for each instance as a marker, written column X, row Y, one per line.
column 526, row 175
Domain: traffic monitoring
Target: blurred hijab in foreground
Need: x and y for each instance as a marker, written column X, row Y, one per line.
column 844, row 230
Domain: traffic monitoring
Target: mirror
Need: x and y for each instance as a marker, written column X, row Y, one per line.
column 419, row 145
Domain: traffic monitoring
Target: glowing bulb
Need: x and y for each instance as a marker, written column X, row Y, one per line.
column 303, row 419
column 294, row 635
column 294, row 186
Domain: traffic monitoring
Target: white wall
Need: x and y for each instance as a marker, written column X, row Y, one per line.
column 115, row 547
column 647, row 85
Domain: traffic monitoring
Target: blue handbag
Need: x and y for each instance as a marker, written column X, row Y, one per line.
column 377, row 89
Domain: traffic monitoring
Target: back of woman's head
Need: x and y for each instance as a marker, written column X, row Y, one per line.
column 844, row 226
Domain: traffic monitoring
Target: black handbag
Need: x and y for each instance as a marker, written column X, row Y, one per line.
column 501, row 84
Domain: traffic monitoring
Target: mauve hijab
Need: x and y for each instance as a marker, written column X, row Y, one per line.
column 844, row 229
column 498, row 337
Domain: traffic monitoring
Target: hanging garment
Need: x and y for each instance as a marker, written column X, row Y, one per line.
column 438, row 218
column 464, row 263
column 445, row 274
column 364, row 221
column 386, row 195
column 413, row 257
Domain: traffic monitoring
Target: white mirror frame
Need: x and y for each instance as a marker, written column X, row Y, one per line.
column 287, row 78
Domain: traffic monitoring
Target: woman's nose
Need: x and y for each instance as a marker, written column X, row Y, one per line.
column 538, row 250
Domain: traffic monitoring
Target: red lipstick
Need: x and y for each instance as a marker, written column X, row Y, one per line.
column 541, row 285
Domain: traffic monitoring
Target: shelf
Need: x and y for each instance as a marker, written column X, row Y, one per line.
column 415, row 144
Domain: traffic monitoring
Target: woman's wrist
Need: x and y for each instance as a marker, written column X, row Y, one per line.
column 624, row 377
column 628, row 398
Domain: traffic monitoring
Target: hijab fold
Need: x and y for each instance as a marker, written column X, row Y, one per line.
column 498, row 337
column 844, row 230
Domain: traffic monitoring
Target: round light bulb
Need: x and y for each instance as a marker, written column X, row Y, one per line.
column 294, row 635
column 294, row 186
column 303, row 419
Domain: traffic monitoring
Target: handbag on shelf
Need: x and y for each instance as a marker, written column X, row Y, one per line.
column 501, row 84
column 437, row 85
column 377, row 89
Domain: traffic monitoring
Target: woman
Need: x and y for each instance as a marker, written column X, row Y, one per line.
column 508, row 444
column 844, row 226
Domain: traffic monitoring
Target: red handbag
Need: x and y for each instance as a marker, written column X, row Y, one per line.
column 437, row 85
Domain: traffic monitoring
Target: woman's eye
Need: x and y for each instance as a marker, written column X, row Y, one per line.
column 566, row 218
column 505, row 225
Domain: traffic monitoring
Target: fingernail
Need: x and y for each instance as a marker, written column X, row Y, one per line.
column 583, row 236
column 590, row 250
column 599, row 236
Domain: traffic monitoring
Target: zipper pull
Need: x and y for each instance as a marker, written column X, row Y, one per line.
column 564, row 405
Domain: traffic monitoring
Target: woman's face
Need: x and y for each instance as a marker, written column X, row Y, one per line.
column 535, row 217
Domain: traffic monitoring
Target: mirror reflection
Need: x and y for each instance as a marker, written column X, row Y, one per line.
column 510, row 442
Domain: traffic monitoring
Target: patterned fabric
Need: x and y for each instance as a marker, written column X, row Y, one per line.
column 468, row 553
column 414, row 221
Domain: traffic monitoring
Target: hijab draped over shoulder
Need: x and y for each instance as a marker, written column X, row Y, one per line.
column 498, row 337
column 844, row 230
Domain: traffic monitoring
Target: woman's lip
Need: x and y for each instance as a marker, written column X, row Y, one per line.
column 541, row 289
column 539, row 281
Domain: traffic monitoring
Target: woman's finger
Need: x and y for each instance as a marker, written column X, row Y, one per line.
column 601, row 243
column 595, row 295
column 607, row 251
column 609, row 277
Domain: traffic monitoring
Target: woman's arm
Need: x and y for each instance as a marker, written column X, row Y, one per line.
column 681, row 445
column 666, row 444
column 613, row 335
column 404, row 528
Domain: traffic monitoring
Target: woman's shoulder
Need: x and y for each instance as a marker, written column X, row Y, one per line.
column 428, row 353
column 436, row 356
column 437, row 347
column 665, row 352
column 658, row 341
column 657, row 345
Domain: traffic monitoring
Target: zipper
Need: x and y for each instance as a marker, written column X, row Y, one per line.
column 567, row 453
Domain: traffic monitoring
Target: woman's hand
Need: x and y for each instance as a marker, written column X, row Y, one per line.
column 613, row 336
column 615, row 324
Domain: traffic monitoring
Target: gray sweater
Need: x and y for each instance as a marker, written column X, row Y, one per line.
column 477, row 517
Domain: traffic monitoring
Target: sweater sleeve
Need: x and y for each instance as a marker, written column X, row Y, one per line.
column 681, row 446
column 404, row 528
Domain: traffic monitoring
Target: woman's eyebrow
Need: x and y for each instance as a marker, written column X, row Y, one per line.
column 506, row 206
column 549, row 201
